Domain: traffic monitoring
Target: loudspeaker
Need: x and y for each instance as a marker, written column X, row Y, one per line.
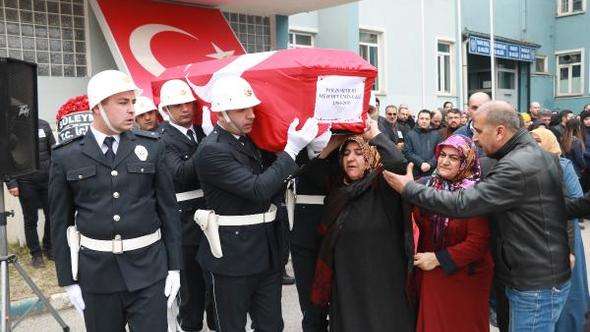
column 19, row 147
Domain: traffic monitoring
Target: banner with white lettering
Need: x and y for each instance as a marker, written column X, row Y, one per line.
column 74, row 124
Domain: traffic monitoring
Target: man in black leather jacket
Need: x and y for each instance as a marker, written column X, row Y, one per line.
column 522, row 195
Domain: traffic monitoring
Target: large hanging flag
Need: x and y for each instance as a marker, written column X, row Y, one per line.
column 146, row 37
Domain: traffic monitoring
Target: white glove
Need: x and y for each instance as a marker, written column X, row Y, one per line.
column 318, row 144
column 75, row 295
column 298, row 139
column 172, row 286
column 206, row 124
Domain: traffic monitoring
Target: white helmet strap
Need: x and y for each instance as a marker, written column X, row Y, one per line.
column 231, row 123
column 106, row 120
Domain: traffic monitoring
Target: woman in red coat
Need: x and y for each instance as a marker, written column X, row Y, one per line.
column 453, row 258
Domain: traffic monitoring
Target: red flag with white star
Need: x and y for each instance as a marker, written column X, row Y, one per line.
column 332, row 86
column 147, row 37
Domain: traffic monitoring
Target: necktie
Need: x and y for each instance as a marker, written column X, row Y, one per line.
column 110, row 154
column 191, row 136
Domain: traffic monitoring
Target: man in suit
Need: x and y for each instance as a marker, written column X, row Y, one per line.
column 243, row 255
column 181, row 138
column 31, row 190
column 122, row 258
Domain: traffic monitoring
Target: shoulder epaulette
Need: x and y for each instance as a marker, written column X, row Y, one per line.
column 147, row 134
column 66, row 142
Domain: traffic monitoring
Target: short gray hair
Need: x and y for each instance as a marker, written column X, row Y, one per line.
column 501, row 113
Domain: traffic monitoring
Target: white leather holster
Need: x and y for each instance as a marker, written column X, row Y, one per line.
column 73, row 237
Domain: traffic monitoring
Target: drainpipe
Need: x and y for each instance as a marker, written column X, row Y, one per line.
column 459, row 51
column 423, row 88
column 492, row 50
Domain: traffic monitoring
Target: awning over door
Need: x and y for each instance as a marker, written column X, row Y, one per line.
column 146, row 37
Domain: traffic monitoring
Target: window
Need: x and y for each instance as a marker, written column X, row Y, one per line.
column 50, row 33
column 570, row 73
column 443, row 65
column 541, row 65
column 301, row 39
column 252, row 30
column 370, row 49
column 570, row 7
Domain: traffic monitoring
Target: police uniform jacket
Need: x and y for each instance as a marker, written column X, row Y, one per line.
column 316, row 177
column 235, row 182
column 180, row 156
column 129, row 197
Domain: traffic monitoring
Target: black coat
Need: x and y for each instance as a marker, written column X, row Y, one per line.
column 235, row 182
column 523, row 196
column 180, row 157
column 395, row 133
column 46, row 141
column 419, row 148
column 81, row 190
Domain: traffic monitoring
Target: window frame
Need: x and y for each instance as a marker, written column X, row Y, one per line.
column 569, row 66
column 295, row 32
column 381, row 59
column 451, row 53
column 570, row 11
column 545, row 65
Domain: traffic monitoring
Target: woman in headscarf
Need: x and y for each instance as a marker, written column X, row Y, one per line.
column 578, row 301
column 454, row 258
column 366, row 252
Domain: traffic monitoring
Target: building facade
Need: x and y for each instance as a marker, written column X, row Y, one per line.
column 431, row 51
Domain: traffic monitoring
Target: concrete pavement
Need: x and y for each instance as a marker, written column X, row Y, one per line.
column 291, row 312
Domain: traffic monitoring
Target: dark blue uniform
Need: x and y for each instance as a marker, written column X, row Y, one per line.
column 33, row 193
column 129, row 197
column 180, row 157
column 247, row 279
column 315, row 178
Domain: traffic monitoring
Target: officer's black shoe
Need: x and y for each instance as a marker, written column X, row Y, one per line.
column 38, row 262
column 287, row 279
column 48, row 254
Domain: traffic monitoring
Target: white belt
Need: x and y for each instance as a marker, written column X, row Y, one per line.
column 210, row 222
column 310, row 199
column 118, row 245
column 188, row 195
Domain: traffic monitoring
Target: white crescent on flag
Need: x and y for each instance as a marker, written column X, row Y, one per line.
column 139, row 42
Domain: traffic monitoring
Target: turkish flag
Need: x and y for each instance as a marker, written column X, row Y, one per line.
column 146, row 37
column 333, row 86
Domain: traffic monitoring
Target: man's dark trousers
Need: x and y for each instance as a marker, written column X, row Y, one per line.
column 32, row 197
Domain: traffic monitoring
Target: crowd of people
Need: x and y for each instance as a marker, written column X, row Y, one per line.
column 448, row 221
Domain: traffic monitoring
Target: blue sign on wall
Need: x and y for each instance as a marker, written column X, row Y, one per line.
column 481, row 46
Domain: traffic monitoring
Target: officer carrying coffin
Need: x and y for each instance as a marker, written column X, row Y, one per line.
column 243, row 256
column 115, row 222
column 181, row 138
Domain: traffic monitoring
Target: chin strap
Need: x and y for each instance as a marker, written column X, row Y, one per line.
column 106, row 120
column 230, row 123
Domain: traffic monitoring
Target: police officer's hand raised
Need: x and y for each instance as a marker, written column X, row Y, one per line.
column 298, row 139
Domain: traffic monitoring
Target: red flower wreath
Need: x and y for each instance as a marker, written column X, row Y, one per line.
column 73, row 105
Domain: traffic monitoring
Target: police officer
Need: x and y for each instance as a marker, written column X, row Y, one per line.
column 243, row 256
column 115, row 225
column 319, row 174
column 145, row 114
column 31, row 190
column 181, row 138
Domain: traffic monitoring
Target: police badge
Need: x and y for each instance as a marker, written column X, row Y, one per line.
column 141, row 152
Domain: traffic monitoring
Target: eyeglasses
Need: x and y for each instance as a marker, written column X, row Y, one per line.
column 452, row 157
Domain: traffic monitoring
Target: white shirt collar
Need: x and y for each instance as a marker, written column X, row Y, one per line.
column 182, row 129
column 100, row 136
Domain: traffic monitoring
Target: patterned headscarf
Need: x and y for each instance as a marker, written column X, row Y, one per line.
column 369, row 152
column 468, row 175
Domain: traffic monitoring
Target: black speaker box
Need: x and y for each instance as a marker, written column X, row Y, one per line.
column 19, row 146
